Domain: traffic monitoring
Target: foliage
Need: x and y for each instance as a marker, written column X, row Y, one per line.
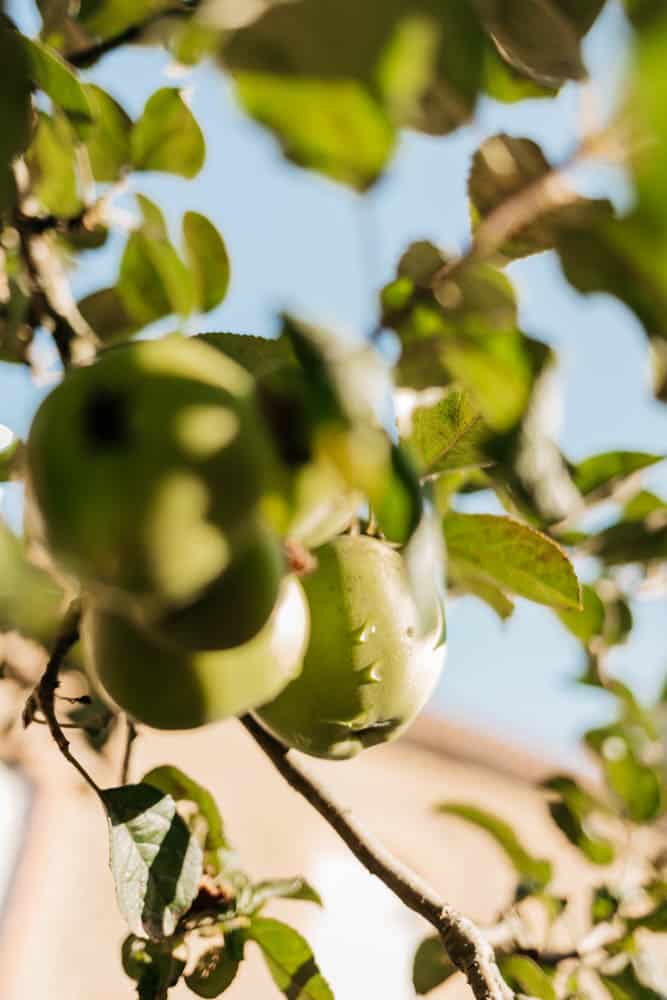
column 335, row 82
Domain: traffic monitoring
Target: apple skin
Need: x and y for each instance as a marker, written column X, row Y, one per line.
column 369, row 668
column 168, row 688
column 146, row 466
column 235, row 606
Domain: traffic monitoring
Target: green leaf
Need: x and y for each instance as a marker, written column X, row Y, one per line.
column 111, row 18
column 510, row 555
column 282, row 888
column 332, row 126
column 431, row 966
column 447, row 434
column 626, row 985
column 605, row 471
column 485, row 591
column 630, row 542
column 588, row 622
column 538, row 37
column 174, row 782
column 290, row 960
column 52, row 74
column 525, row 976
column 51, row 159
column 156, row 863
column 31, row 602
column 534, row 873
column 107, row 138
column 572, row 811
column 642, row 505
column 634, row 783
column 10, row 454
column 214, row 973
column 655, row 920
column 167, row 137
column 15, row 94
column 207, row 257
column 604, row 905
column 106, row 313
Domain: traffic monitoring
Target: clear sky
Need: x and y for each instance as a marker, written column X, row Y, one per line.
column 301, row 242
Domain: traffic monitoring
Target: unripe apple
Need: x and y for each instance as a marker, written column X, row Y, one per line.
column 147, row 466
column 370, row 665
column 169, row 688
column 235, row 606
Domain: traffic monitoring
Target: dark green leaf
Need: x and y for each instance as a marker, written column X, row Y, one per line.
column 538, row 37
column 52, row 74
column 15, row 88
column 525, row 976
column 154, row 966
column 10, row 455
column 167, row 136
column 106, row 313
column 630, row 542
column 572, row 812
column 534, row 873
column 290, row 960
column 431, row 965
column 156, row 863
column 174, row 782
column 635, row 784
column 604, row 905
column 590, row 620
column 30, row 599
column 111, row 18
column 214, row 973
column 107, row 138
column 605, row 471
column 510, row 555
column 655, row 920
column 626, row 985
column 207, row 257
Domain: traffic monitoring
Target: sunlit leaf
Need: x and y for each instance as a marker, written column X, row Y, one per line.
column 290, row 960
column 172, row 781
column 207, row 257
column 608, row 469
column 590, row 620
column 107, row 138
column 52, row 74
column 167, row 137
column 52, row 162
column 526, row 976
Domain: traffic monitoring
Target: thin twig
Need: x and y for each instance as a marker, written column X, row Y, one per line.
column 43, row 697
column 465, row 944
column 85, row 57
column 130, row 737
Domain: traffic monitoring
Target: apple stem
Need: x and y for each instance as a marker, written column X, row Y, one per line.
column 465, row 944
column 44, row 695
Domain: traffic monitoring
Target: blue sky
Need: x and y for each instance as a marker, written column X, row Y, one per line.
column 301, row 242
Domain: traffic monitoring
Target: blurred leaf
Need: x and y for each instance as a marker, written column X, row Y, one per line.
column 153, row 965
column 534, row 873
column 635, row 785
column 447, row 434
column 105, row 312
column 626, row 986
column 630, row 542
column 290, row 960
column 51, row 159
column 398, row 504
column 174, row 782
column 282, row 888
column 604, row 905
column 96, row 721
column 538, row 37
column 643, row 504
column 30, row 599
column 15, row 88
column 214, row 973
column 111, row 17
column 525, row 976
column 572, row 812
column 167, row 136
column 155, row 861
column 510, row 555
column 52, row 74
column 431, row 965
column 608, row 469
column 332, row 126
column 207, row 257
column 486, row 592
column 589, row 621
column 107, row 138
column 9, row 458
column 655, row 920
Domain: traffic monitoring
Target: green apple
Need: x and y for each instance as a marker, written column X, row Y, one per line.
column 235, row 606
column 148, row 466
column 169, row 688
column 371, row 662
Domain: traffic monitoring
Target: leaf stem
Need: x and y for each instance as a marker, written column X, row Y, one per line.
column 131, row 735
column 466, row 946
column 44, row 695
